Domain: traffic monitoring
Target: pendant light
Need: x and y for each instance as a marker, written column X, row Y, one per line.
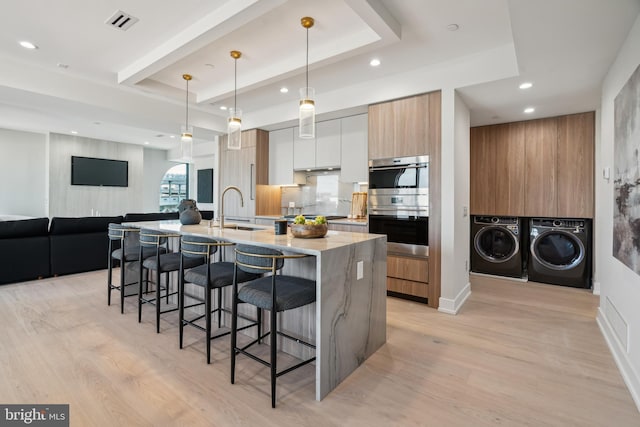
column 234, row 124
column 186, row 138
column 307, row 122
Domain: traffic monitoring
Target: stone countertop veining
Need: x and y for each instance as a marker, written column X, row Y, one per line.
column 262, row 235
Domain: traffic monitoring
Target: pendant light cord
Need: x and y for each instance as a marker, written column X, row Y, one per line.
column 307, row 80
column 186, row 121
column 235, row 86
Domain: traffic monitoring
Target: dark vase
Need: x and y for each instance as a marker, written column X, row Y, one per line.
column 189, row 213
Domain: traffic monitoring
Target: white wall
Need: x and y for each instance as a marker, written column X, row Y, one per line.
column 619, row 311
column 23, row 173
column 455, row 288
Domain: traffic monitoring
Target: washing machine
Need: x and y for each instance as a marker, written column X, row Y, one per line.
column 560, row 251
column 496, row 246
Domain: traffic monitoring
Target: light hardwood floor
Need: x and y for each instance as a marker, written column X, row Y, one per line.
column 516, row 355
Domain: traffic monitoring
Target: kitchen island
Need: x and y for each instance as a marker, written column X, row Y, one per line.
column 348, row 318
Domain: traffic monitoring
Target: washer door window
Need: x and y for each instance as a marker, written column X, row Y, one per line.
column 496, row 244
column 557, row 250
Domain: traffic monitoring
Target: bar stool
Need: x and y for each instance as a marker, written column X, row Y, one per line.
column 124, row 247
column 163, row 260
column 208, row 276
column 275, row 293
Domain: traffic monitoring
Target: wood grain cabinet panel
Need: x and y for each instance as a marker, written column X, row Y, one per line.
column 575, row 166
column 407, row 287
column 411, row 124
column 381, row 131
column 414, row 269
column 541, row 196
column 482, row 170
column 510, row 169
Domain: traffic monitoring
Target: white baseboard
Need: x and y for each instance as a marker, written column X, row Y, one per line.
column 452, row 306
column 629, row 376
column 596, row 288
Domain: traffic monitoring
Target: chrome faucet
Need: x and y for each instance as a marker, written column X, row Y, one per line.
column 231, row 187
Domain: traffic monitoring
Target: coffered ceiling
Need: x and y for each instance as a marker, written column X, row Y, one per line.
column 103, row 82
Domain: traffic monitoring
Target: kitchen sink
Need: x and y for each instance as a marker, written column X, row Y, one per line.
column 242, row 227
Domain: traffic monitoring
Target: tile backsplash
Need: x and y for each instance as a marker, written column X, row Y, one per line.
column 323, row 194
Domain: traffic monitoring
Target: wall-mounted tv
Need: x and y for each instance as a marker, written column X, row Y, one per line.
column 99, row 172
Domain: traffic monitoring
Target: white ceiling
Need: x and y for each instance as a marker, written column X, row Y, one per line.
column 127, row 85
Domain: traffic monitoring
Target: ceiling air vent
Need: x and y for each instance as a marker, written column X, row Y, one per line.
column 121, row 20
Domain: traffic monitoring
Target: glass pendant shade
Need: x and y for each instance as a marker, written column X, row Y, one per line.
column 186, row 143
column 234, row 129
column 307, row 122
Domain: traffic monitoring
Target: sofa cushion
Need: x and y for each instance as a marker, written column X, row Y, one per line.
column 24, row 228
column 89, row 224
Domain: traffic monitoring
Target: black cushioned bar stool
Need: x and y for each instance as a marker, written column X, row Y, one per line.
column 275, row 293
column 162, row 261
column 124, row 247
column 209, row 276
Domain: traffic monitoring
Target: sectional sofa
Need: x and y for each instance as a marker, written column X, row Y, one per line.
column 36, row 248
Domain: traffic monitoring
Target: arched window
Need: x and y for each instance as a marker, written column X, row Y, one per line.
column 174, row 187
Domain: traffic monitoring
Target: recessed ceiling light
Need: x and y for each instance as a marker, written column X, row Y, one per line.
column 529, row 110
column 526, row 85
column 453, row 27
column 223, row 107
column 172, row 136
column 284, row 90
column 28, row 45
column 374, row 62
column 146, row 143
column 75, row 132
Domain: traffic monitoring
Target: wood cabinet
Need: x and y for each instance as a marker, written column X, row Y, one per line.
column 497, row 170
column 412, row 127
column 323, row 151
column 409, row 276
column 354, row 149
column 575, row 167
column 539, row 167
column 245, row 168
column 401, row 127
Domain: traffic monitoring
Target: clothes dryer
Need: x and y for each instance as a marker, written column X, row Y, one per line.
column 496, row 246
column 560, row 251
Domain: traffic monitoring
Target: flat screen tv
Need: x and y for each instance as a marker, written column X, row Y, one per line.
column 99, row 172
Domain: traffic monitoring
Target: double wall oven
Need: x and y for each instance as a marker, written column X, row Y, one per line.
column 399, row 204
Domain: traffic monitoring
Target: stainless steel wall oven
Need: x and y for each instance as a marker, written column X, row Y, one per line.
column 399, row 203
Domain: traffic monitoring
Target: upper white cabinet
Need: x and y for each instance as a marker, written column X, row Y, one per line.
column 281, row 157
column 321, row 152
column 328, row 141
column 354, row 149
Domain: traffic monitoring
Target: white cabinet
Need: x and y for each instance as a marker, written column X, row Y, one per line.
column 354, row 149
column 328, row 141
column 304, row 151
column 281, row 157
column 321, row 152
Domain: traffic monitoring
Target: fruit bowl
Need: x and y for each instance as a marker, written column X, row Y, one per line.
column 308, row 231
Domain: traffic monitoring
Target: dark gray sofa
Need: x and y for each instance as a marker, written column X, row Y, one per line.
column 24, row 250
column 80, row 244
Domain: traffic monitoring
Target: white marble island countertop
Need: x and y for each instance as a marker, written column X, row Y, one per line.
column 348, row 317
column 263, row 235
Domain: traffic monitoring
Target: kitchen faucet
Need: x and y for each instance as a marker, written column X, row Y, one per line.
column 231, row 187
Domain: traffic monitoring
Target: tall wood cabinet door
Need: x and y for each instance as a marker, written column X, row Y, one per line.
column 510, row 169
column 381, row 130
column 541, row 150
column 411, row 123
column 482, row 170
column 575, row 165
